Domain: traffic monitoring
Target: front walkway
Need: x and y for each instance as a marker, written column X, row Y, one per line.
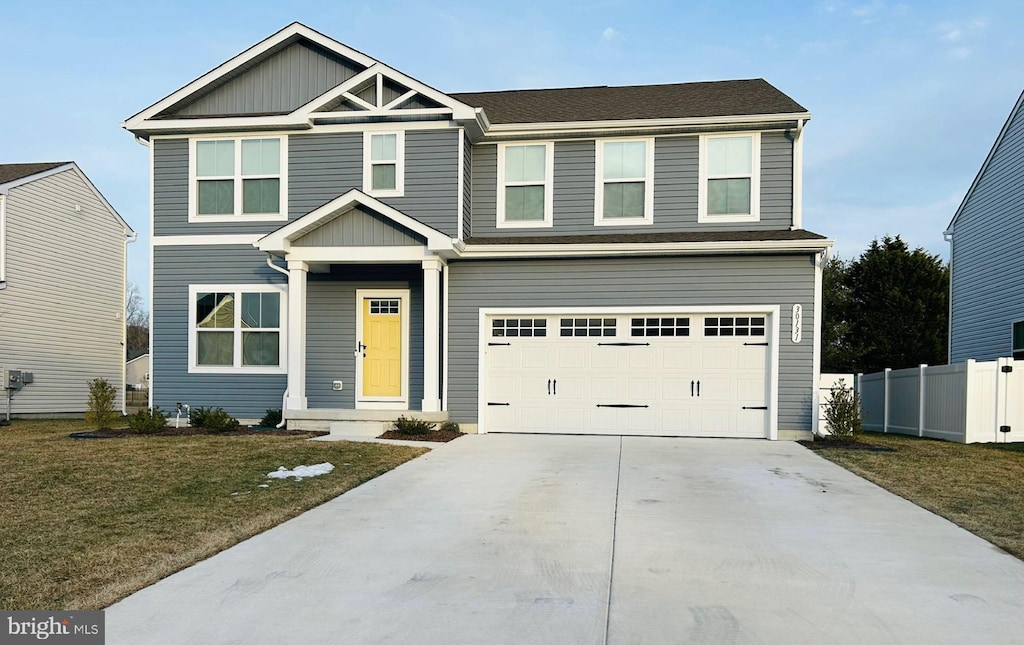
column 552, row 539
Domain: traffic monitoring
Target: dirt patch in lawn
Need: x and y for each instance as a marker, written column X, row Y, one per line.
column 844, row 445
column 433, row 435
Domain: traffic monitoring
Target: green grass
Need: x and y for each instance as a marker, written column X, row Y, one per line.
column 977, row 486
column 87, row 522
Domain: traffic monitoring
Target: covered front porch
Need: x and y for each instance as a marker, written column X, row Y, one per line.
column 366, row 316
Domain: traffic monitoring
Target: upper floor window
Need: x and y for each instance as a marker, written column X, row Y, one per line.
column 730, row 170
column 237, row 179
column 384, row 164
column 524, row 185
column 625, row 182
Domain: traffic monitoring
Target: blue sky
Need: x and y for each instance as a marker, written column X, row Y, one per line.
column 907, row 98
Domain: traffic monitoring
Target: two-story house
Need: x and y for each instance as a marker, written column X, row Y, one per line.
column 336, row 237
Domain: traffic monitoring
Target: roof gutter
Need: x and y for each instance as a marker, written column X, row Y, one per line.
column 632, row 124
column 470, row 251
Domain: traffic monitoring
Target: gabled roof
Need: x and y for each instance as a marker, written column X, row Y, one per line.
column 13, row 171
column 604, row 103
column 985, row 164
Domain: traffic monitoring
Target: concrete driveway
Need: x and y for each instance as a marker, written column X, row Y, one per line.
column 564, row 540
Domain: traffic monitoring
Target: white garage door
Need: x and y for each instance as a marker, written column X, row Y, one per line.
column 667, row 374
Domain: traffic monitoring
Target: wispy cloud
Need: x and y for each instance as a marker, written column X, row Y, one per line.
column 956, row 36
column 610, row 35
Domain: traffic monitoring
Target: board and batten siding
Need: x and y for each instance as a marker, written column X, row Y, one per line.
column 321, row 167
column 280, row 84
column 331, row 331
column 640, row 282
column 360, row 227
column 987, row 289
column 676, row 172
column 62, row 313
column 246, row 396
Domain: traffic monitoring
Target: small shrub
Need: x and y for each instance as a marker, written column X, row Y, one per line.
column 449, row 426
column 102, row 396
column 842, row 413
column 197, row 416
column 271, row 419
column 214, row 420
column 413, row 426
column 148, row 420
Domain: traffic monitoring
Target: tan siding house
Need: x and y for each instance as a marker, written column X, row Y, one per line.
column 62, row 287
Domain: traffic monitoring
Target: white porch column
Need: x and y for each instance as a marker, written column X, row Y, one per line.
column 431, row 335
column 297, row 335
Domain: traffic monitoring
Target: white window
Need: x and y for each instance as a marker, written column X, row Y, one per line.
column 524, row 185
column 239, row 179
column 237, row 328
column 624, row 193
column 384, row 164
column 730, row 177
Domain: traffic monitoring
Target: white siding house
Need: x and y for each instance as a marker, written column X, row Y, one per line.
column 62, row 287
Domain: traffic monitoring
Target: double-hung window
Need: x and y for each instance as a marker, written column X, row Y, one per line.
column 384, row 164
column 624, row 193
column 524, row 185
column 730, row 169
column 236, row 328
column 237, row 179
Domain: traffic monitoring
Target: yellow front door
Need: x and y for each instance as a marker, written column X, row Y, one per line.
column 382, row 338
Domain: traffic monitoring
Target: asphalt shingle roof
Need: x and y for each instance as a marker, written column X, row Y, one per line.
column 13, row 171
column 680, row 100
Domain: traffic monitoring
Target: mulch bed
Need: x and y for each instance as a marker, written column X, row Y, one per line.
column 433, row 435
column 120, row 433
column 844, row 445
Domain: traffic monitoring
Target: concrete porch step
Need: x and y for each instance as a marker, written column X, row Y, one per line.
column 358, row 428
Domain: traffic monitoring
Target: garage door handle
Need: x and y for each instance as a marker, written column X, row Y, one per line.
column 549, row 387
column 623, row 344
column 755, row 407
column 493, row 403
column 554, row 387
column 621, row 405
column 757, row 344
column 505, row 344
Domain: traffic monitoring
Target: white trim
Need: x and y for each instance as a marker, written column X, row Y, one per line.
column 215, row 239
column 431, row 335
column 295, row 393
column 399, row 163
column 798, row 175
column 540, row 129
column 547, row 183
column 152, row 258
column 600, row 181
column 445, row 352
column 462, row 182
column 640, row 248
column 3, row 241
column 770, row 311
column 819, row 266
column 755, row 179
column 359, row 254
column 238, row 178
column 237, row 368
column 383, row 403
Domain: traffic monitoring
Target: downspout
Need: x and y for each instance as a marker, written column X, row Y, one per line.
column 284, row 397
column 798, row 176
column 3, row 240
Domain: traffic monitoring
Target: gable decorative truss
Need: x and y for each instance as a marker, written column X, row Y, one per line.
column 280, row 241
column 376, row 91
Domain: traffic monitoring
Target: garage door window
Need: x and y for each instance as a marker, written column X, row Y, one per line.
column 660, row 327
column 519, row 327
column 586, row 327
column 734, row 326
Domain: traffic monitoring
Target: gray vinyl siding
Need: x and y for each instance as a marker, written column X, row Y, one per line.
column 360, row 227
column 322, row 167
column 676, row 173
column 174, row 269
column 691, row 281
column 285, row 81
column 467, row 187
column 987, row 292
column 331, row 326
column 62, row 313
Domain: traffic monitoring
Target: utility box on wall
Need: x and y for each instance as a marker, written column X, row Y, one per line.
column 12, row 379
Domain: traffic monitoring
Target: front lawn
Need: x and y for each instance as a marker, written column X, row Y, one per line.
column 978, row 486
column 87, row 522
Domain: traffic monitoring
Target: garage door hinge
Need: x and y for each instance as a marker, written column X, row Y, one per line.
column 620, row 405
column 755, row 407
column 757, row 344
column 493, row 344
column 623, row 344
column 493, row 403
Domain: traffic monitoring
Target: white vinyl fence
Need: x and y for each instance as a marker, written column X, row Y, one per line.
column 972, row 402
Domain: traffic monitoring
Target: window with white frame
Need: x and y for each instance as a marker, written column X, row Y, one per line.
column 237, row 179
column 1018, row 339
column 524, row 185
column 730, row 169
column 236, row 328
column 625, row 182
column 384, row 164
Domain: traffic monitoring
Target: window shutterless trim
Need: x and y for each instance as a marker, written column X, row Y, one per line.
column 399, row 163
column 755, row 179
column 237, row 368
column 600, row 181
column 237, row 177
column 548, row 184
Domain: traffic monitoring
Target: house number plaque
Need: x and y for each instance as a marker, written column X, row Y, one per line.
column 798, row 323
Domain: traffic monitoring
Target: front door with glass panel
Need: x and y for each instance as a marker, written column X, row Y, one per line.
column 381, row 348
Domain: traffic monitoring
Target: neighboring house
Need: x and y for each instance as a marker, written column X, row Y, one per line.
column 62, row 286
column 136, row 373
column 617, row 260
column 986, row 242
